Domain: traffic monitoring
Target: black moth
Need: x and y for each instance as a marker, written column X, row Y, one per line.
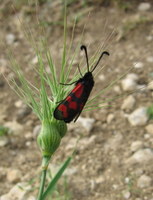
column 71, row 107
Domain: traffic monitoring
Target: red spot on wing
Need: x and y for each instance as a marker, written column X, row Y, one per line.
column 73, row 105
column 78, row 90
column 63, row 109
column 69, row 99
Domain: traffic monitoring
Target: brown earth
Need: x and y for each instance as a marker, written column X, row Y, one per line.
column 100, row 166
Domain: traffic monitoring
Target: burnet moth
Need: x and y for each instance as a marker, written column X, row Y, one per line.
column 71, row 107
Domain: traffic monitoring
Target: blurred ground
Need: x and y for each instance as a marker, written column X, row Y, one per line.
column 114, row 159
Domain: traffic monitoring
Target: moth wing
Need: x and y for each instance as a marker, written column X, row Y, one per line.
column 72, row 105
column 61, row 111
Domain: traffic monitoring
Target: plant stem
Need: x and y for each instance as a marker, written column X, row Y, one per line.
column 45, row 162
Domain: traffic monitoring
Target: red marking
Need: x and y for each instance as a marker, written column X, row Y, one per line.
column 78, row 90
column 73, row 105
column 69, row 99
column 63, row 109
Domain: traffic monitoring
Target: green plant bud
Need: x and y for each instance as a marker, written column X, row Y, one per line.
column 62, row 128
column 49, row 138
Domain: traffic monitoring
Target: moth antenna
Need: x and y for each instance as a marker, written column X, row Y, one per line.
column 103, row 53
column 83, row 47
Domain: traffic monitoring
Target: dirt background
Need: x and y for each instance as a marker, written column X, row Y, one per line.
column 101, row 167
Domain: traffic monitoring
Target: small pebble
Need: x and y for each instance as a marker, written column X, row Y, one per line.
column 117, row 89
column 149, row 128
column 18, row 104
column 28, row 143
column 138, row 172
column 126, row 194
column 150, row 86
column 3, row 171
column 100, row 179
column 110, row 118
column 138, row 117
column 13, row 175
column 144, row 6
column 101, row 77
column 71, row 144
column 28, row 135
column 114, row 142
column 146, row 136
column 127, row 180
column 138, row 65
column 144, row 181
column 132, row 76
column 14, row 127
column 3, row 141
column 128, row 103
column 136, row 145
column 3, row 64
column 130, row 82
column 10, row 38
column 150, row 59
column 35, row 60
column 149, row 38
column 87, row 123
column 115, row 187
column 142, row 156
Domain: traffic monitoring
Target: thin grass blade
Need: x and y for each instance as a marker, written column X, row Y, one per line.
column 52, row 184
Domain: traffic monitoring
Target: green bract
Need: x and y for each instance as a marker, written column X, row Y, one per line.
column 50, row 137
column 62, row 128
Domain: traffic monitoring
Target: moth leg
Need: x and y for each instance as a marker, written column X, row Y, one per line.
column 59, row 101
column 77, row 116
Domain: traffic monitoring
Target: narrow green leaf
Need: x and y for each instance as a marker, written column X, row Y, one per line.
column 52, row 184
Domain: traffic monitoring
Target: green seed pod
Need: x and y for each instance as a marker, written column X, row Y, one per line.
column 62, row 128
column 49, row 138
